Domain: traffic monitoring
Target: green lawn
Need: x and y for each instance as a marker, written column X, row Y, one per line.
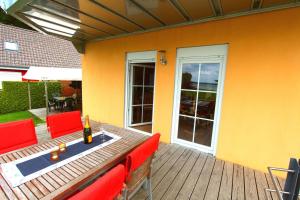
column 19, row 116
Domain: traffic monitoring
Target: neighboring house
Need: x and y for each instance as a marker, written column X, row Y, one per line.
column 21, row 48
column 219, row 76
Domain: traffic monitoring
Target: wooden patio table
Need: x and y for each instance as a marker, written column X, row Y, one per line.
column 66, row 180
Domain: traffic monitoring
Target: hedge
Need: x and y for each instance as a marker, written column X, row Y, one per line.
column 14, row 95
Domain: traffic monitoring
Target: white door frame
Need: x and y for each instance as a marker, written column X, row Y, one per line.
column 205, row 54
column 137, row 57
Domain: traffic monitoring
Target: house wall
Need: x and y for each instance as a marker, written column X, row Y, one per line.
column 23, row 72
column 260, row 114
column 66, row 90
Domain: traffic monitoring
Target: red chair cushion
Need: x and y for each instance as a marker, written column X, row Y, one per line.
column 64, row 123
column 140, row 154
column 107, row 187
column 16, row 135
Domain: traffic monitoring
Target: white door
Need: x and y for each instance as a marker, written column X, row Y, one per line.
column 140, row 81
column 198, row 99
column 141, row 90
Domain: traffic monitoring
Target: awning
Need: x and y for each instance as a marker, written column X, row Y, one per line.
column 81, row 21
column 53, row 74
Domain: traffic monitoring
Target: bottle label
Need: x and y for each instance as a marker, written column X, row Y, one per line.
column 90, row 138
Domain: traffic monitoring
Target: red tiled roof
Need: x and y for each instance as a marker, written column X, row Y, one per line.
column 36, row 49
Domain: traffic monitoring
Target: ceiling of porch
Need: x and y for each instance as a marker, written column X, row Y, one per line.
column 85, row 20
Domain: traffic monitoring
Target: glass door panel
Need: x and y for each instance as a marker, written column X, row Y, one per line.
column 185, row 128
column 198, row 94
column 141, row 95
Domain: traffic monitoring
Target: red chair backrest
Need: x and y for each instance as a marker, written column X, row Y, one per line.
column 16, row 135
column 140, row 154
column 64, row 123
column 107, row 187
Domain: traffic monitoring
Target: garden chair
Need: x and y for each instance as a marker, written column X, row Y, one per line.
column 16, row 135
column 138, row 166
column 292, row 182
column 64, row 123
column 108, row 187
column 51, row 104
column 69, row 104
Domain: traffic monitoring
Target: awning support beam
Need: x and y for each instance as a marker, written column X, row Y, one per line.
column 116, row 13
column 180, row 9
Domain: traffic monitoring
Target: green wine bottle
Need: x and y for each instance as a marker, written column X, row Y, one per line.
column 87, row 131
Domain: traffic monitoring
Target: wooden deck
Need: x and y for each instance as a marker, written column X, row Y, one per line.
column 182, row 173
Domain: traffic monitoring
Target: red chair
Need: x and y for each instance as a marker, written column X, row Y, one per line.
column 138, row 166
column 107, row 187
column 16, row 135
column 64, row 123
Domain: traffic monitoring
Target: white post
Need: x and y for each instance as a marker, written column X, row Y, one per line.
column 46, row 96
column 29, row 95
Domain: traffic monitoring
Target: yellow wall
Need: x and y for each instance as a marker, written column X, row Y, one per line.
column 260, row 117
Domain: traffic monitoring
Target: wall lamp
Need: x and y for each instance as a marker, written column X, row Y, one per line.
column 162, row 57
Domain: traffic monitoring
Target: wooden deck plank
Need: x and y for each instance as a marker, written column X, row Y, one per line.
column 203, row 180
column 238, row 192
column 262, row 184
column 159, row 175
column 188, row 187
column 160, row 172
column 163, row 159
column 178, row 173
column 226, row 183
column 181, row 177
column 215, row 181
column 164, row 184
column 250, row 185
column 271, row 186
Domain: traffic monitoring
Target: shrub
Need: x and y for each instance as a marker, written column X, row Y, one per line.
column 14, row 95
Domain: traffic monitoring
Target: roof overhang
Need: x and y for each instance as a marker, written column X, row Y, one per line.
column 53, row 74
column 89, row 20
column 14, row 68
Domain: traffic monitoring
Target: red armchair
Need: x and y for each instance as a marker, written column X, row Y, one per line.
column 64, row 123
column 16, row 135
column 107, row 187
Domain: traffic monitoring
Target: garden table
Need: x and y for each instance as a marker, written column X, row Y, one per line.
column 59, row 101
column 66, row 180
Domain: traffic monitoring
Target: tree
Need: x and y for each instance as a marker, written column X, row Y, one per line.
column 10, row 20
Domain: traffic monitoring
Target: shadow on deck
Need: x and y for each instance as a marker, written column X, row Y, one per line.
column 183, row 173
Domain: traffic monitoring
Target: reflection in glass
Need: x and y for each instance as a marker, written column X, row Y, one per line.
column 209, row 75
column 148, row 95
column 136, row 114
column 190, row 72
column 138, row 75
column 185, row 128
column 147, row 114
column 206, row 105
column 203, row 132
column 188, row 103
column 149, row 76
column 137, row 95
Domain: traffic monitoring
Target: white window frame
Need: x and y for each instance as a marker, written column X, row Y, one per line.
column 11, row 46
column 205, row 54
column 142, row 104
column 137, row 57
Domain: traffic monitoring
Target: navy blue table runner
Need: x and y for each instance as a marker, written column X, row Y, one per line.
column 36, row 164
